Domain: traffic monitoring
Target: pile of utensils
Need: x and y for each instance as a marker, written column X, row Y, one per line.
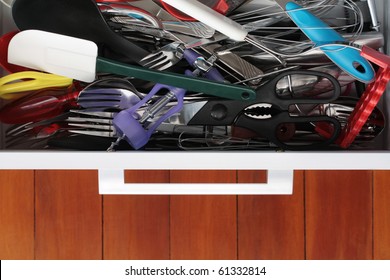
column 192, row 75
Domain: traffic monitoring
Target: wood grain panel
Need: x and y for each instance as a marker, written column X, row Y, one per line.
column 251, row 176
column 271, row 226
column 147, row 176
column 68, row 215
column 203, row 176
column 137, row 227
column 339, row 214
column 203, row 227
column 382, row 215
column 16, row 214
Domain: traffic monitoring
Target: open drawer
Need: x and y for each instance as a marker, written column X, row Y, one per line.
column 279, row 163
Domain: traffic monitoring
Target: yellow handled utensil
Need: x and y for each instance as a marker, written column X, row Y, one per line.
column 21, row 82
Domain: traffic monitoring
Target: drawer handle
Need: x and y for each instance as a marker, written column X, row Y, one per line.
column 111, row 181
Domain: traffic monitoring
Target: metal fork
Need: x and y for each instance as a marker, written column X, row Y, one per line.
column 102, row 124
column 92, row 123
column 164, row 57
column 235, row 66
column 95, row 123
column 103, row 98
column 172, row 53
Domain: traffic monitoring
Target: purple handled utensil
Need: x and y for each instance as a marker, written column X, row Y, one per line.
column 130, row 126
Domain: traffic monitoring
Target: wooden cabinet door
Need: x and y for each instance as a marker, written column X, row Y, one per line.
column 16, row 214
column 381, row 215
column 339, row 209
column 137, row 226
column 203, row 226
column 68, row 215
column 271, row 226
column 58, row 214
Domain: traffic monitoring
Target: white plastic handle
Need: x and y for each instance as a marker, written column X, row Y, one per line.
column 7, row 3
column 111, row 181
column 210, row 17
column 54, row 53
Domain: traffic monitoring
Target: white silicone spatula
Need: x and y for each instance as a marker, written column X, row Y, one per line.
column 77, row 58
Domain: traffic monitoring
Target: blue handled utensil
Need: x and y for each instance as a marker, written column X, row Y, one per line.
column 346, row 57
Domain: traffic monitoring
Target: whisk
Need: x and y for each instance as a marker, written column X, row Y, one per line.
column 346, row 58
column 259, row 10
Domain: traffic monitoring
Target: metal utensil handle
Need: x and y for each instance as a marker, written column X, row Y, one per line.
column 212, row 18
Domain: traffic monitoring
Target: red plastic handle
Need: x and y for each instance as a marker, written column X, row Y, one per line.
column 37, row 107
column 369, row 99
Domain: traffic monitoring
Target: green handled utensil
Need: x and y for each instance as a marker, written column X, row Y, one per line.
column 77, row 58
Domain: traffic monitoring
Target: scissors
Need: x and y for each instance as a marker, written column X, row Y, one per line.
column 22, row 82
column 281, row 113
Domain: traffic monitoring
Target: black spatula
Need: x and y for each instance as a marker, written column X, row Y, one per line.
column 76, row 18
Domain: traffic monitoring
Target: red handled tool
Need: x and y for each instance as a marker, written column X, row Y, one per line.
column 45, row 104
column 369, row 99
column 221, row 6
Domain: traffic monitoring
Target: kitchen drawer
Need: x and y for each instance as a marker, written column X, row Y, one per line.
column 280, row 163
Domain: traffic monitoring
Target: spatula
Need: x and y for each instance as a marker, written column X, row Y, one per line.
column 76, row 18
column 4, row 41
column 77, row 58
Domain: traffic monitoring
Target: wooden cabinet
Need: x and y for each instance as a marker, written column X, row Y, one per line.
column 57, row 214
column 17, row 219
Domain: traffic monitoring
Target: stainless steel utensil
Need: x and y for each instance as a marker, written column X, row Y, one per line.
column 194, row 29
column 107, row 98
column 92, row 123
column 303, row 53
column 164, row 57
column 129, row 16
column 35, row 133
column 234, row 65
